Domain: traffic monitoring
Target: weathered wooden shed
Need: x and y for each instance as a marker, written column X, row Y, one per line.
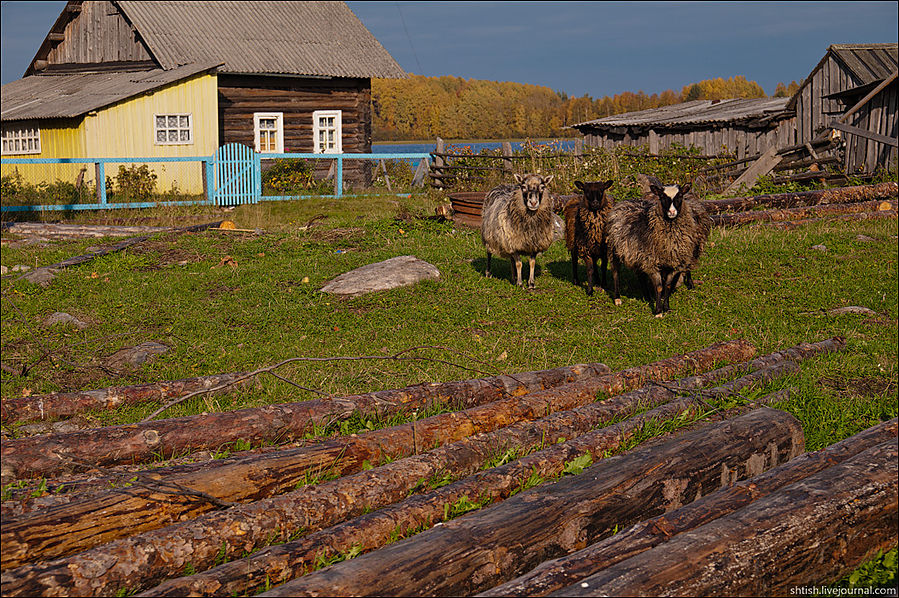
column 292, row 76
column 744, row 127
column 843, row 80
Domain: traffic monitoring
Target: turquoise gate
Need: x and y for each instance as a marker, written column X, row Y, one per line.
column 237, row 176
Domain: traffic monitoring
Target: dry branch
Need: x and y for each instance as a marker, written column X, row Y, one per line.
column 280, row 563
column 50, row 455
column 136, row 509
column 804, row 198
column 482, row 549
column 808, row 533
column 67, row 404
column 154, row 555
column 556, row 574
column 738, row 218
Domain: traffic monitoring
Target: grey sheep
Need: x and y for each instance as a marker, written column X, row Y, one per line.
column 518, row 220
column 661, row 235
column 585, row 224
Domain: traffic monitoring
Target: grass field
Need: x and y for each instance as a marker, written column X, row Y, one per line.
column 239, row 301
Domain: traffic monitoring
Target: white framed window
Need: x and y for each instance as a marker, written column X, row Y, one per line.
column 173, row 129
column 327, row 131
column 21, row 139
column 268, row 130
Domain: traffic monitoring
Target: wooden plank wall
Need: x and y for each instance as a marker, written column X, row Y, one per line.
column 743, row 141
column 98, row 21
column 242, row 95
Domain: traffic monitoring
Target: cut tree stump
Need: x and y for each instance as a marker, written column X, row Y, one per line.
column 807, row 534
column 281, row 563
column 554, row 575
column 133, row 443
column 141, row 508
column 838, row 195
column 482, row 549
column 788, row 214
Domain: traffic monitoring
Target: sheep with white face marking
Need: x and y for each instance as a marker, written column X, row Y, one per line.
column 518, row 220
column 661, row 235
column 585, row 224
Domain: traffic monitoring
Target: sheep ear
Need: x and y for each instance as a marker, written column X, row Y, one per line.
column 579, row 185
column 685, row 188
column 656, row 189
column 518, row 178
column 608, row 184
column 548, row 179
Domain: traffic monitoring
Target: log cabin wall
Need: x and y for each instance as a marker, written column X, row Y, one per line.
column 240, row 96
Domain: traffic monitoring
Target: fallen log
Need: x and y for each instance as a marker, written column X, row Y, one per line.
column 791, row 224
column 839, row 195
column 554, row 575
column 133, row 443
column 476, row 552
column 738, row 218
column 66, row 404
column 140, row 508
column 144, row 559
column 281, row 563
column 806, row 534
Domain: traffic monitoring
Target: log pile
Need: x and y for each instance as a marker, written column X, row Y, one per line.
column 208, row 529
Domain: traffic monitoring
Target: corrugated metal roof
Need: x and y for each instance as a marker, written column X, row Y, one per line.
column 695, row 113
column 74, row 94
column 289, row 38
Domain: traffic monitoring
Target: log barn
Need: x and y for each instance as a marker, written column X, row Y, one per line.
column 835, row 95
column 742, row 127
column 277, row 76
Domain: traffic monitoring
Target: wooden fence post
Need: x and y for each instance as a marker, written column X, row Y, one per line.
column 507, row 151
column 438, row 164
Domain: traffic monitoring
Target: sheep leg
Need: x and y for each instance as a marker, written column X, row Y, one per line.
column 659, row 292
column 615, row 294
column 688, row 280
column 532, row 262
column 670, row 285
column 604, row 257
column 487, row 273
column 591, row 273
column 517, row 259
column 574, row 267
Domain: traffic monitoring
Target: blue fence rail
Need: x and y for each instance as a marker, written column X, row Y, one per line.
column 230, row 177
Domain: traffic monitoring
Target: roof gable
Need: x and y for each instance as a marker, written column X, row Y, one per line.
column 286, row 38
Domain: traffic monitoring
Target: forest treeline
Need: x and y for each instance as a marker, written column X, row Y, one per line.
column 457, row 108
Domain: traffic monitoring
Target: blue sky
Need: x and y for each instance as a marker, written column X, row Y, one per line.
column 595, row 48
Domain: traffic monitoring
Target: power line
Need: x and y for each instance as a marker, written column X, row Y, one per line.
column 409, row 37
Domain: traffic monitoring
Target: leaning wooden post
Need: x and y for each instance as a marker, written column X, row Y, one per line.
column 507, row 152
column 438, row 163
column 100, row 173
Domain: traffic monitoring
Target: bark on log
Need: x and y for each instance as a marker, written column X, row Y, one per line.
column 554, row 575
column 738, row 218
column 805, row 198
column 132, row 510
column 133, row 443
column 281, row 563
column 476, row 552
column 808, row 533
column 136, row 509
column 66, row 404
column 791, row 224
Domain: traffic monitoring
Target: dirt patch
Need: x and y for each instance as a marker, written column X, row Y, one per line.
column 858, row 387
column 166, row 254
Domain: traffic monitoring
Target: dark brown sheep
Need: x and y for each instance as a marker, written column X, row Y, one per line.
column 585, row 224
column 518, row 220
column 661, row 235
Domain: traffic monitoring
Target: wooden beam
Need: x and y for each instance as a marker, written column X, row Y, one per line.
column 867, row 98
column 760, row 167
column 863, row 133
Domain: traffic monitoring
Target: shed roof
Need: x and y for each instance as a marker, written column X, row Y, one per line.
column 71, row 95
column 698, row 112
column 318, row 39
column 867, row 65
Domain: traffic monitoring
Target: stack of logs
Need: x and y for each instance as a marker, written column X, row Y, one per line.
column 730, row 504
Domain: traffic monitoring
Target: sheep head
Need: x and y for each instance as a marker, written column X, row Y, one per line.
column 533, row 189
column 671, row 197
column 594, row 192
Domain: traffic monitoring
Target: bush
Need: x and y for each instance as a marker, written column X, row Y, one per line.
column 288, row 177
column 135, row 183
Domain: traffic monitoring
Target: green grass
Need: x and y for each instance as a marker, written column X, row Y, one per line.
column 765, row 285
